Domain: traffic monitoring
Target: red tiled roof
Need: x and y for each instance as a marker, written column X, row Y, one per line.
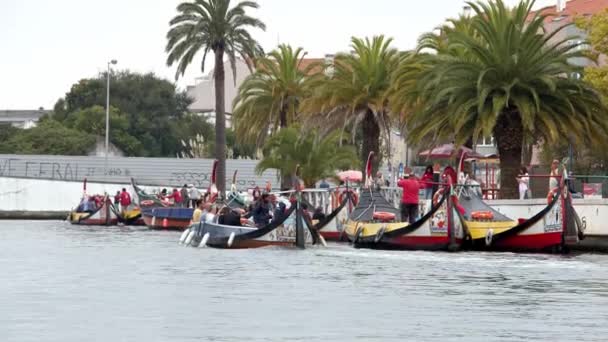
column 573, row 9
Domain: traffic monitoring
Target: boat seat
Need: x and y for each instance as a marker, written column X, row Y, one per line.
column 384, row 216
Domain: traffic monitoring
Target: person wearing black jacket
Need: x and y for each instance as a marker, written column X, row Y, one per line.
column 261, row 212
column 229, row 217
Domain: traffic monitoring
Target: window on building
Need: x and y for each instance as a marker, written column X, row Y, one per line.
column 486, row 141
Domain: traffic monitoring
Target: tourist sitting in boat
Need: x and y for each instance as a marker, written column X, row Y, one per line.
column 229, row 217
column 198, row 211
column 279, row 212
column 261, row 212
column 409, row 200
column 318, row 214
column 209, row 211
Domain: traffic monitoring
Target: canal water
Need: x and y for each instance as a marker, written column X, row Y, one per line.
column 65, row 283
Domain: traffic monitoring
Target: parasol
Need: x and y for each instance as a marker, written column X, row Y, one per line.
column 351, row 176
column 448, row 151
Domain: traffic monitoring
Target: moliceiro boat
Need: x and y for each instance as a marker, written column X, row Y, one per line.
column 285, row 232
column 94, row 211
column 374, row 224
column 554, row 229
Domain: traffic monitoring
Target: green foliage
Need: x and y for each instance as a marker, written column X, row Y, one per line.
column 7, row 131
column 317, row 157
column 213, row 25
column 239, row 150
column 356, row 92
column 511, row 80
column 148, row 116
column 269, row 99
column 49, row 137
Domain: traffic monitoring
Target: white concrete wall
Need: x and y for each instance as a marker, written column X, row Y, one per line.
column 19, row 194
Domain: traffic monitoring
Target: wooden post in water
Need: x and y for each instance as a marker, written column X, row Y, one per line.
column 300, row 239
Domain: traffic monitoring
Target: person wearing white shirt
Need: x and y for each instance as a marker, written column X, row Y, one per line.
column 524, row 183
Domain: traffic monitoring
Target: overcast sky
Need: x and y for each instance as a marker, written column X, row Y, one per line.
column 46, row 46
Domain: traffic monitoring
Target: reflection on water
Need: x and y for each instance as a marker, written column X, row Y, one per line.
column 64, row 283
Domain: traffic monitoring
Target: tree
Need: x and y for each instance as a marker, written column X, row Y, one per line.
column 92, row 120
column 205, row 25
column 356, row 92
column 49, row 137
column 269, row 99
column 318, row 157
column 513, row 80
column 151, row 106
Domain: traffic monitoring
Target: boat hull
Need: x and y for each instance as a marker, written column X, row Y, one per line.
column 281, row 234
column 549, row 231
column 159, row 223
column 434, row 231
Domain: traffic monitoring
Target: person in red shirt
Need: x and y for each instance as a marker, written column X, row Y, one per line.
column 409, row 201
column 427, row 182
column 176, row 196
column 125, row 200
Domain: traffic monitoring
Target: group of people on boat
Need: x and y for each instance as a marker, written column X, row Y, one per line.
column 186, row 197
column 123, row 199
column 90, row 204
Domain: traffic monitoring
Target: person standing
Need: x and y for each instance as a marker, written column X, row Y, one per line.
column 125, row 200
column 117, row 199
column 524, row 183
column 184, row 193
column 176, row 196
column 554, row 179
column 379, row 181
column 410, row 199
column 436, row 178
column 194, row 195
column 427, row 182
column 324, row 184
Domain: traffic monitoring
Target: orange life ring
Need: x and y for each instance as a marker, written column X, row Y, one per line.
column 147, row 203
column 482, row 215
column 384, row 216
column 353, row 197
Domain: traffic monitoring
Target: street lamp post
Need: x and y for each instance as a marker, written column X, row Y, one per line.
column 107, row 145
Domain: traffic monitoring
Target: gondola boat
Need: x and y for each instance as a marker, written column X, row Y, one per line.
column 286, row 231
column 554, row 229
column 147, row 202
column 375, row 224
column 103, row 215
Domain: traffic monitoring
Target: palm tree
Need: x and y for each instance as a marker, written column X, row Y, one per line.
column 318, row 158
column 269, row 99
column 213, row 25
column 355, row 94
column 514, row 80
